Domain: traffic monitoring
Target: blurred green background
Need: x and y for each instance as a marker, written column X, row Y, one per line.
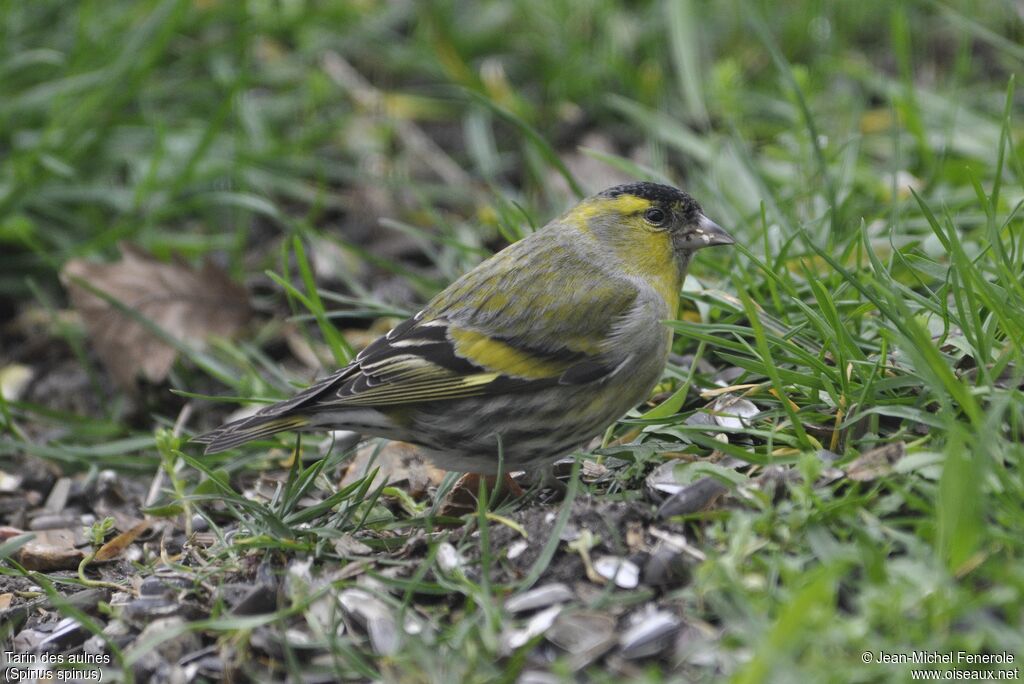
column 198, row 126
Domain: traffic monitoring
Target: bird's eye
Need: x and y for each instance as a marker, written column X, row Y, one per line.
column 655, row 216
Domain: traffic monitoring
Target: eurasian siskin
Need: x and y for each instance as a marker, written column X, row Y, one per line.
column 530, row 354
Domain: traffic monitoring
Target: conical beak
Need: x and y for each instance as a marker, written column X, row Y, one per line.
column 706, row 233
column 711, row 234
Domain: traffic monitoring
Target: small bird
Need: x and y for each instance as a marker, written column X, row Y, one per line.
column 529, row 355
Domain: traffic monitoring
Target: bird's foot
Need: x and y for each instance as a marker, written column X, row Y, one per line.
column 546, row 479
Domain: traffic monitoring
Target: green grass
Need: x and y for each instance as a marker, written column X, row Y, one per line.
column 866, row 312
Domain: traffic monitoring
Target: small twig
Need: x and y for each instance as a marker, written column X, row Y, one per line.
column 747, row 389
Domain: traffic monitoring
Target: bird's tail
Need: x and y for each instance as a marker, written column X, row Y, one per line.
column 247, row 429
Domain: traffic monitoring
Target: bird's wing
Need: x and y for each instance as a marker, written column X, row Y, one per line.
column 542, row 291
column 497, row 330
column 491, row 332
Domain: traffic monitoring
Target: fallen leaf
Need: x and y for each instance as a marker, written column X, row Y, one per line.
column 116, row 546
column 399, row 463
column 190, row 305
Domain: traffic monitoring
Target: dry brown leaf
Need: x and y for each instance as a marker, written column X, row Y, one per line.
column 190, row 304
column 399, row 463
column 116, row 546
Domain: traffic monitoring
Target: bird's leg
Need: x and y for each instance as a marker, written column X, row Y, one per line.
column 546, row 479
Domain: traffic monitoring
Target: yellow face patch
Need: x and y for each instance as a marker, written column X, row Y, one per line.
column 627, row 204
column 642, row 249
column 623, row 205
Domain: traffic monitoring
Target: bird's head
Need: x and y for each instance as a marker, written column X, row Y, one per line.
column 652, row 229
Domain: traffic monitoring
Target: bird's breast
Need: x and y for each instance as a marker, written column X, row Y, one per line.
column 644, row 342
